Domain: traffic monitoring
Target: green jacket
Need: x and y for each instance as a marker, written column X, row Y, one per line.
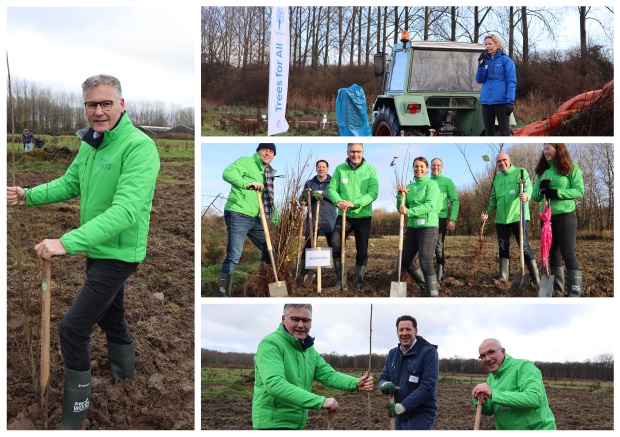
column 284, row 372
column 519, row 399
column 505, row 196
column 448, row 192
column 116, row 182
column 239, row 174
column 359, row 185
column 569, row 188
column 423, row 202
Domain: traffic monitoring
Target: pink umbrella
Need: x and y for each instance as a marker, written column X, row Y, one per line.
column 545, row 235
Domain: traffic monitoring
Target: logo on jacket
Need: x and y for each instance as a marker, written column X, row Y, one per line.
column 105, row 164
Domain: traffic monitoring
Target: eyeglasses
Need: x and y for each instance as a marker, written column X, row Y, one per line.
column 356, row 152
column 499, row 161
column 106, row 105
column 296, row 320
column 489, row 353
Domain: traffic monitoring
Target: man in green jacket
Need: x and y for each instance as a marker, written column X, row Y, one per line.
column 514, row 392
column 506, row 199
column 114, row 173
column 353, row 188
column 285, row 366
column 247, row 175
column 449, row 201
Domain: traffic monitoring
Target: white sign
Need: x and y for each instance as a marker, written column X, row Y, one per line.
column 319, row 257
column 278, row 70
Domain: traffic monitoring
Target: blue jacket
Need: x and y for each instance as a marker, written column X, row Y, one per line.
column 415, row 373
column 498, row 78
column 328, row 211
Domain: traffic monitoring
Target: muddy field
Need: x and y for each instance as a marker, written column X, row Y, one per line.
column 162, row 394
column 464, row 276
column 573, row 410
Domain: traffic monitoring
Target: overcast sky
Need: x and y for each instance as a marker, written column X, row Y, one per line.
column 553, row 330
column 215, row 157
column 150, row 50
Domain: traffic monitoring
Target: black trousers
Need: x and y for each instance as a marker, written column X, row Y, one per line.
column 421, row 242
column 564, row 241
column 361, row 229
column 440, row 255
column 100, row 302
column 489, row 112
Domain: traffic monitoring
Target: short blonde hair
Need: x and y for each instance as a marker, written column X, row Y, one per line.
column 496, row 40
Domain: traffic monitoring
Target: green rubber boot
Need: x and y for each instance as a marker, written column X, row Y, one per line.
column 573, row 282
column 439, row 272
column 504, row 269
column 533, row 269
column 417, row 276
column 431, row 285
column 122, row 360
column 338, row 270
column 75, row 399
column 225, row 284
column 558, row 280
column 358, row 278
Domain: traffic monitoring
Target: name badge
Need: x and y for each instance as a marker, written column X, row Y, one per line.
column 414, row 379
column 512, row 192
column 421, row 221
column 344, row 180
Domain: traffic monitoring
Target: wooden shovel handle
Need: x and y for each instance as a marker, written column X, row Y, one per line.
column 478, row 414
column 266, row 230
column 343, row 278
column 331, row 416
column 46, row 285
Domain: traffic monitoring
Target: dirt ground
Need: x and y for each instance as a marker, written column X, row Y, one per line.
column 581, row 410
column 161, row 396
column 464, row 276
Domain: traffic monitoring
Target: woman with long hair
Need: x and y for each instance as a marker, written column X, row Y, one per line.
column 559, row 179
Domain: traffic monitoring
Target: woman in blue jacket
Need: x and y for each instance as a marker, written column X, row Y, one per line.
column 496, row 72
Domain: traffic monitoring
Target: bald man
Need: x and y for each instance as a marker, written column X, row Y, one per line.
column 506, row 199
column 514, row 393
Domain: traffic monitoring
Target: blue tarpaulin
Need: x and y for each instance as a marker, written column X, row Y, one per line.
column 351, row 112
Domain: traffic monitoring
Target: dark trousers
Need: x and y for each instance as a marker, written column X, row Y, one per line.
column 503, row 239
column 99, row 302
column 361, row 229
column 328, row 237
column 564, row 241
column 440, row 255
column 489, row 112
column 421, row 242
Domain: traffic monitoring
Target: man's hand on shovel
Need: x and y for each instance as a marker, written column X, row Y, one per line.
column 49, row 248
column 330, row 404
column 482, row 389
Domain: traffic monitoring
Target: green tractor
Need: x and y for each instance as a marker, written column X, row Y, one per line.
column 429, row 89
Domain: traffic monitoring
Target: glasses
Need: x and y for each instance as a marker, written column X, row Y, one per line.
column 106, row 105
column 296, row 320
column 352, row 152
column 499, row 161
column 489, row 353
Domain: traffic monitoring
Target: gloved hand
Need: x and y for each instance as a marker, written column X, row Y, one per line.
column 545, row 184
column 482, row 59
column 509, row 108
column 318, row 195
column 395, row 409
column 388, row 388
column 551, row 193
column 255, row 186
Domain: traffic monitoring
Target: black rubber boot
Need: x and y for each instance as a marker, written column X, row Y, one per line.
column 338, row 270
column 504, row 269
column 558, row 280
column 75, row 399
column 439, row 272
column 122, row 358
column 573, row 282
column 358, row 278
column 533, row 269
column 225, row 284
column 431, row 285
column 417, row 276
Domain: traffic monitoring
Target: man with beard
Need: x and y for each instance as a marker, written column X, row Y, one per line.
column 514, row 393
column 410, row 374
column 285, row 366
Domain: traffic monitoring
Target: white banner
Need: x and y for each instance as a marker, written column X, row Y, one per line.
column 278, row 70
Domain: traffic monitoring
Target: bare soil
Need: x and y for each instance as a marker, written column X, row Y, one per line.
column 573, row 410
column 161, row 396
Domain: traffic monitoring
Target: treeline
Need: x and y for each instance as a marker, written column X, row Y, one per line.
column 333, row 46
column 600, row 368
column 44, row 110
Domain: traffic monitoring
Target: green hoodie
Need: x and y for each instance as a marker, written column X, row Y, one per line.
column 448, row 192
column 423, row 202
column 284, row 372
column 569, row 188
column 116, row 182
column 505, row 195
column 519, row 399
column 358, row 185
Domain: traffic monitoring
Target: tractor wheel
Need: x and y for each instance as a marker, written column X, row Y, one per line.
column 385, row 123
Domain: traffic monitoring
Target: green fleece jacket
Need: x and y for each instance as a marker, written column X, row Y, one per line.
column 423, row 202
column 358, row 185
column 284, row 372
column 449, row 197
column 505, row 195
column 569, row 188
column 115, row 182
column 519, row 400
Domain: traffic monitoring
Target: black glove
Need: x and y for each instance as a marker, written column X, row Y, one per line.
column 509, row 108
column 482, row 59
column 545, row 184
column 551, row 193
